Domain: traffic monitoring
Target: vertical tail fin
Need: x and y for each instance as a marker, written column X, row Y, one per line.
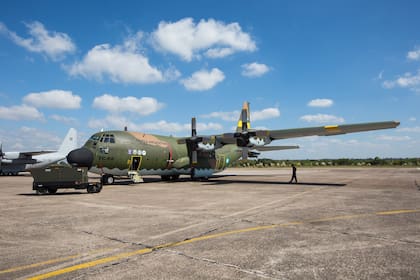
column 69, row 142
column 244, row 122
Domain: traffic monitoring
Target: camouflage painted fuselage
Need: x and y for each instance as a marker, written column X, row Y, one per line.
column 118, row 152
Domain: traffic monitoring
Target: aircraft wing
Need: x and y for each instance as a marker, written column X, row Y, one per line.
column 329, row 130
column 27, row 154
column 273, row 148
column 260, row 138
column 21, row 155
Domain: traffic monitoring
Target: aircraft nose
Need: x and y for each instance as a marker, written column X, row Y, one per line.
column 81, row 157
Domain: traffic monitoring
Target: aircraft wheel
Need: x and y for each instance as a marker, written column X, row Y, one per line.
column 41, row 191
column 107, row 179
column 174, row 177
column 98, row 187
column 91, row 189
column 52, row 190
column 165, row 177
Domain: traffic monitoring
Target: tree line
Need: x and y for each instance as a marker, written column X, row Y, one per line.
column 377, row 161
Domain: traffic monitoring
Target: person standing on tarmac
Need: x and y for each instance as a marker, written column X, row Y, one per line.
column 294, row 174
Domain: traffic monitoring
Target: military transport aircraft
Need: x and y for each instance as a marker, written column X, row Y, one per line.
column 11, row 163
column 134, row 154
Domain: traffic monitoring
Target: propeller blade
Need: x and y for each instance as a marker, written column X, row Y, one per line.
column 244, row 119
column 244, row 153
column 194, row 157
column 193, row 127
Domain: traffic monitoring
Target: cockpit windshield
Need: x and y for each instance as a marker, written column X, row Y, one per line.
column 107, row 138
column 94, row 138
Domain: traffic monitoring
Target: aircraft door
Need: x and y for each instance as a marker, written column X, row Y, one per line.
column 135, row 163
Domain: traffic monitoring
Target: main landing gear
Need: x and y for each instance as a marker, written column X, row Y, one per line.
column 169, row 177
column 107, row 179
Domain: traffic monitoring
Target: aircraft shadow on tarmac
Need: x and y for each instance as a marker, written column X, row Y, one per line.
column 220, row 180
column 54, row 194
column 309, row 184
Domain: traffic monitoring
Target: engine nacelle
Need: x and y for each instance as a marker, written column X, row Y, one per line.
column 205, row 146
column 259, row 141
column 11, row 155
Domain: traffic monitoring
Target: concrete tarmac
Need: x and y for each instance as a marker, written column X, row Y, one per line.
column 336, row 223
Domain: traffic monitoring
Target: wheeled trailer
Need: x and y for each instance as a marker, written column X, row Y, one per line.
column 54, row 177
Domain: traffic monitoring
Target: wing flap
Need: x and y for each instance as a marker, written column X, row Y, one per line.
column 274, row 148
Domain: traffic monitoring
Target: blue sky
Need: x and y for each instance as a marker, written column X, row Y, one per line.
column 152, row 66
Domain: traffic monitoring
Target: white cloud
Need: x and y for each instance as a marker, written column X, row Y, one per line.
column 30, row 139
column 188, row 40
column 112, row 121
column 415, row 129
column 263, row 114
column 226, row 116
column 53, row 44
column 56, row 98
column 268, row 113
column 121, row 63
column 254, row 69
column 142, row 106
column 408, row 80
column 412, row 119
column 322, row 103
column 322, row 118
column 380, row 75
column 115, row 121
column 393, row 138
column 172, row 127
column 21, row 112
column 414, row 55
column 63, row 119
column 203, row 80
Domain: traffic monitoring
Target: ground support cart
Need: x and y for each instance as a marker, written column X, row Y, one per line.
column 54, row 177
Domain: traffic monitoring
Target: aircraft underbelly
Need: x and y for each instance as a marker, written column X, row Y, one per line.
column 199, row 172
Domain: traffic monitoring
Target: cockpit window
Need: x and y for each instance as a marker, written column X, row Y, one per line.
column 94, row 138
column 108, row 138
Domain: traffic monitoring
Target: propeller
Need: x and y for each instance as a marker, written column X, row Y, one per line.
column 1, row 153
column 246, row 137
column 193, row 141
column 198, row 143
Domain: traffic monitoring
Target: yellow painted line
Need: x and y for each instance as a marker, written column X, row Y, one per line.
column 206, row 237
column 23, row 267
column 91, row 263
column 394, row 212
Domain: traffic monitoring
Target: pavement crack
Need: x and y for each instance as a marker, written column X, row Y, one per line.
column 372, row 236
column 117, row 239
column 253, row 272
